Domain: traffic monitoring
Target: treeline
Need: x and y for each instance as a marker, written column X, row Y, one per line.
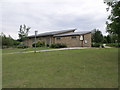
column 7, row 42
column 99, row 39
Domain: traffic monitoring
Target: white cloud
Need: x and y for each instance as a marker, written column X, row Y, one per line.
column 48, row 15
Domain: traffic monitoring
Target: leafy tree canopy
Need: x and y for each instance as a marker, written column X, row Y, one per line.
column 97, row 36
column 113, row 22
column 23, row 32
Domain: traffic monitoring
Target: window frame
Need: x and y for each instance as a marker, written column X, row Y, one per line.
column 58, row 38
column 73, row 37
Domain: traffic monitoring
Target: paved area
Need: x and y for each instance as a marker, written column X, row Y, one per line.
column 106, row 46
column 49, row 50
column 54, row 49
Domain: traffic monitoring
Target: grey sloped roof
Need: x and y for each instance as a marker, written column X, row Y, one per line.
column 73, row 33
column 53, row 33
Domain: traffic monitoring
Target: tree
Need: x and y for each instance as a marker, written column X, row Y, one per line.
column 113, row 23
column 23, row 32
column 114, row 38
column 105, row 39
column 97, row 36
column 109, row 39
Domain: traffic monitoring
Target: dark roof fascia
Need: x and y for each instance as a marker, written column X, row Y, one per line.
column 72, row 35
column 66, row 35
column 40, row 35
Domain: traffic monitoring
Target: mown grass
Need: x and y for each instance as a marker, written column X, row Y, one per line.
column 88, row 68
column 10, row 50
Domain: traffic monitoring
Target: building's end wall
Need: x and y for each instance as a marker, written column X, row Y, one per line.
column 87, row 37
column 76, row 42
column 69, row 41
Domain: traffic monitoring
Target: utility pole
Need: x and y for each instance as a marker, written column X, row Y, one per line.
column 35, row 40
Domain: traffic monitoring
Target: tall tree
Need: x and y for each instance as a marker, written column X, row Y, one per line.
column 97, row 36
column 109, row 39
column 114, row 38
column 105, row 39
column 23, row 32
column 113, row 23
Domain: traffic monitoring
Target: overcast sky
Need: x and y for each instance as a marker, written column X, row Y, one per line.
column 52, row 15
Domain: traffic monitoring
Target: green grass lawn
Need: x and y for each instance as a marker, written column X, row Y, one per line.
column 21, row 50
column 82, row 68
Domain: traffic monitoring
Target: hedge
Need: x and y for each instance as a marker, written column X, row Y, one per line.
column 39, row 44
column 22, row 46
column 113, row 45
column 97, row 45
column 58, row 45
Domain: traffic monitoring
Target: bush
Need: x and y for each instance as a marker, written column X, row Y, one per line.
column 113, row 45
column 39, row 44
column 16, row 43
column 95, row 45
column 22, row 46
column 58, row 45
column 102, row 46
column 47, row 45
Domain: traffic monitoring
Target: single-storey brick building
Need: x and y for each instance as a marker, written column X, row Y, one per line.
column 68, row 37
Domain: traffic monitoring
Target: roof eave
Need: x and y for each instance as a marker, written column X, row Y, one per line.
column 49, row 35
column 71, row 35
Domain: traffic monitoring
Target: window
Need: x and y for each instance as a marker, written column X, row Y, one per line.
column 58, row 38
column 73, row 37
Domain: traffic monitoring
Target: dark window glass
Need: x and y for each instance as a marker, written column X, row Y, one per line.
column 58, row 38
column 73, row 37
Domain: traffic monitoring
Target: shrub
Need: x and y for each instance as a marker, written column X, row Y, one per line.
column 102, row 46
column 113, row 45
column 47, row 45
column 58, row 45
column 95, row 45
column 22, row 46
column 39, row 44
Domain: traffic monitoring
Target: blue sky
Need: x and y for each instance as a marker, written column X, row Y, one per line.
column 52, row 15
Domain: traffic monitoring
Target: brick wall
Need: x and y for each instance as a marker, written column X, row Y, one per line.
column 87, row 37
column 75, row 42
column 30, row 41
column 68, row 40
